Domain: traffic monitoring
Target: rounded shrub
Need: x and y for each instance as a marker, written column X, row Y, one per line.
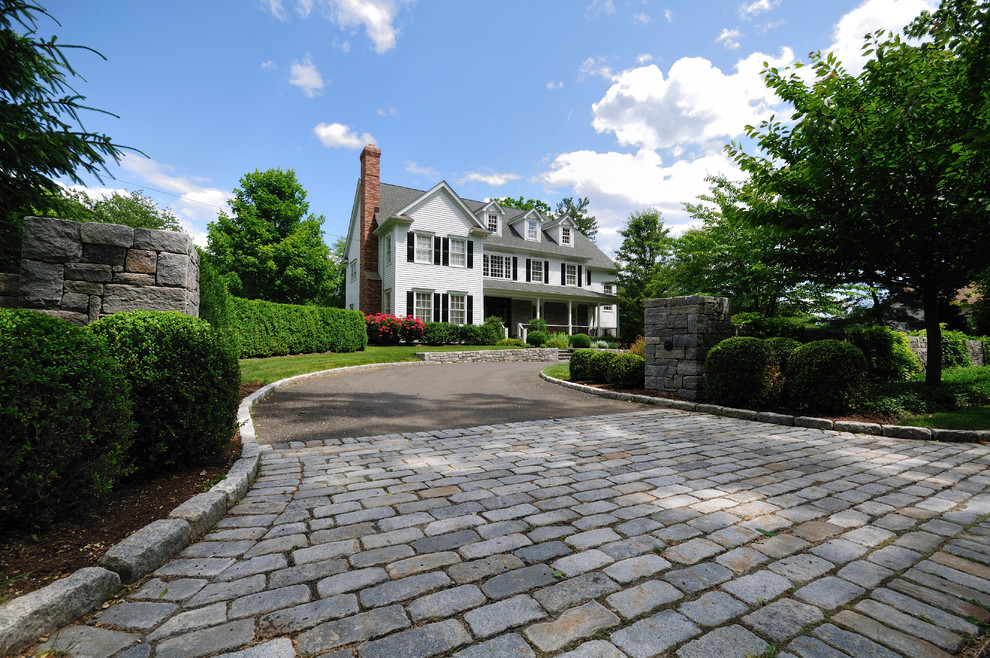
column 186, row 379
column 494, row 330
column 538, row 324
column 472, row 334
column 598, row 366
column 581, row 341
column 581, row 365
column 888, row 355
column 536, row 338
column 780, row 350
column 412, row 330
column 510, row 342
column 556, row 342
column 626, row 370
column 65, row 414
column 739, row 372
column 828, row 375
column 440, row 333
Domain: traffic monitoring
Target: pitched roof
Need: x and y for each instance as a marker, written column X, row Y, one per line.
column 393, row 198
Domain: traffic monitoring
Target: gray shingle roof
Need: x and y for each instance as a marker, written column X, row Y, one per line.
column 493, row 285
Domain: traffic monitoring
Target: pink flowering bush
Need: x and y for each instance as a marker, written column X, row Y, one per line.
column 388, row 329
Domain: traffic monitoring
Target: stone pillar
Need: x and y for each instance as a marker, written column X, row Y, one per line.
column 679, row 332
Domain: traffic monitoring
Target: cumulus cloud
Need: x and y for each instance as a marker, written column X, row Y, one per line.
column 376, row 17
column 492, row 179
column 755, row 7
column 555, row 85
column 306, row 77
column 669, row 15
column 595, row 66
column 337, row 135
column 268, row 66
column 598, row 7
column 426, row 172
column 642, row 19
column 390, row 112
column 869, row 17
column 645, row 58
column 729, row 38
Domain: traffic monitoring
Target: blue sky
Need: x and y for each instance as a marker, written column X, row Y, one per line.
column 626, row 102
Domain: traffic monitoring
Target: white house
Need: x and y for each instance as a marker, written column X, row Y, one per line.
column 438, row 257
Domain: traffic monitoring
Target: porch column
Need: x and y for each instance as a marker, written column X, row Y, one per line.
column 539, row 308
column 570, row 319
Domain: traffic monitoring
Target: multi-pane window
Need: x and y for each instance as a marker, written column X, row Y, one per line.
column 498, row 267
column 458, row 309
column 609, row 288
column 493, row 223
column 354, row 270
column 536, row 271
column 570, row 275
column 388, row 250
column 565, row 235
column 424, row 248
column 458, row 252
column 387, row 301
column 424, row 306
column 531, row 229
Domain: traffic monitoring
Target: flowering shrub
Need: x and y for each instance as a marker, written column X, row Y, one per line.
column 388, row 329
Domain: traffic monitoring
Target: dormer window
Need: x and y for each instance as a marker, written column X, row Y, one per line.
column 565, row 235
column 531, row 230
column 493, row 223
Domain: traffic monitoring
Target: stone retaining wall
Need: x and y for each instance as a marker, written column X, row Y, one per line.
column 679, row 332
column 489, row 356
column 919, row 345
column 82, row 272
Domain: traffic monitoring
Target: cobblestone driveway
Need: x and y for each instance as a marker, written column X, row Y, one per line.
column 643, row 534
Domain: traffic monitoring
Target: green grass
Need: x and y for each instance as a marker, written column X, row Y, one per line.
column 559, row 370
column 970, row 418
column 279, row 367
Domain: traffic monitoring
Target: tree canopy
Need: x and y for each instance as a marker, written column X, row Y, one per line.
column 881, row 178
column 643, row 266
column 128, row 208
column 269, row 247
column 41, row 135
column 578, row 212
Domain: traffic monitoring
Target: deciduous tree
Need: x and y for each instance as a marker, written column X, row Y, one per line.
column 643, row 266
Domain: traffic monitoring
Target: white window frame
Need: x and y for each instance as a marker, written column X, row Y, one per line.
column 423, row 305
column 387, row 301
column 503, row 267
column 493, row 223
column 457, row 312
column 532, row 230
column 536, row 271
column 424, row 248
column 570, row 275
column 458, row 252
column 388, row 249
column 609, row 288
column 565, row 235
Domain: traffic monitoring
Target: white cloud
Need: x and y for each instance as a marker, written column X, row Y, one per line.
column 268, row 66
column 669, row 15
column 337, row 135
column 595, row 66
column 555, row 85
column 377, row 17
column 642, row 19
column 492, row 179
column 390, row 112
column 729, row 38
column 868, row 17
column 306, row 77
column 598, row 7
column 305, row 7
column 427, row 172
column 276, row 8
column 757, row 7
column 644, row 58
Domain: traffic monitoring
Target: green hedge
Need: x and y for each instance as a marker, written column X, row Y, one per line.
column 740, row 372
column 537, row 338
column 581, row 365
column 828, row 375
column 216, row 304
column 580, row 341
column 598, row 366
column 186, row 381
column 626, row 370
column 269, row 329
column 887, row 352
column 65, row 419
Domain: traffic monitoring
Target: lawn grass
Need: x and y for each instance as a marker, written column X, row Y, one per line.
column 558, row 370
column 970, row 418
column 275, row 368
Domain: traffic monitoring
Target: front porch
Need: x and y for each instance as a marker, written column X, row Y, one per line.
column 572, row 314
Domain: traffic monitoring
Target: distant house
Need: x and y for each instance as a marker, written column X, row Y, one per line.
column 436, row 256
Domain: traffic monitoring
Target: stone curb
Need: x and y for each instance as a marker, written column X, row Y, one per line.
column 26, row 618
column 889, row 431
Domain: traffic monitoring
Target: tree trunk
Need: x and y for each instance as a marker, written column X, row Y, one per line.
column 933, row 365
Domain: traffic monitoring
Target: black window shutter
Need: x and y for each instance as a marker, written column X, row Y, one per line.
column 579, row 275
column 515, row 268
column 563, row 274
column 589, row 275
column 529, row 270
column 470, row 309
column 436, row 249
column 410, row 246
column 546, row 271
column 446, row 251
column 446, row 308
column 470, row 255
column 410, row 302
column 436, row 307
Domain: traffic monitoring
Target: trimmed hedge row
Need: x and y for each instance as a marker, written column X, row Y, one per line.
column 269, row 329
column 621, row 370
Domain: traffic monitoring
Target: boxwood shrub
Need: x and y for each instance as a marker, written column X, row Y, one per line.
column 581, row 365
column 536, row 338
column 65, row 415
column 440, row 333
column 581, row 341
column 739, row 372
column 472, row 334
column 888, row 356
column 511, row 343
column 828, row 375
column 269, row 329
column 558, row 343
column 598, row 366
column 626, row 370
column 186, row 380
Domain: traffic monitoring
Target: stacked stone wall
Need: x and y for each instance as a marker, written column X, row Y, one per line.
column 679, row 332
column 82, row 272
column 487, row 356
column 919, row 345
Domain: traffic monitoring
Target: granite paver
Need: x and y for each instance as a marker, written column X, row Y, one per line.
column 653, row 532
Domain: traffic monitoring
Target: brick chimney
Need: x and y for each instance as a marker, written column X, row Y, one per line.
column 370, row 290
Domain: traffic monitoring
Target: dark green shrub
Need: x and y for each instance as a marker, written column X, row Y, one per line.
column 828, row 375
column 781, row 348
column 581, row 341
column 65, row 419
column 472, row 334
column 216, row 304
column 510, row 342
column 887, row 353
column 954, row 351
column 598, row 366
column 186, row 380
column 626, row 370
column 581, row 365
column 494, row 330
column 538, row 324
column 440, row 333
column 739, row 372
column 269, row 329
column 536, row 338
